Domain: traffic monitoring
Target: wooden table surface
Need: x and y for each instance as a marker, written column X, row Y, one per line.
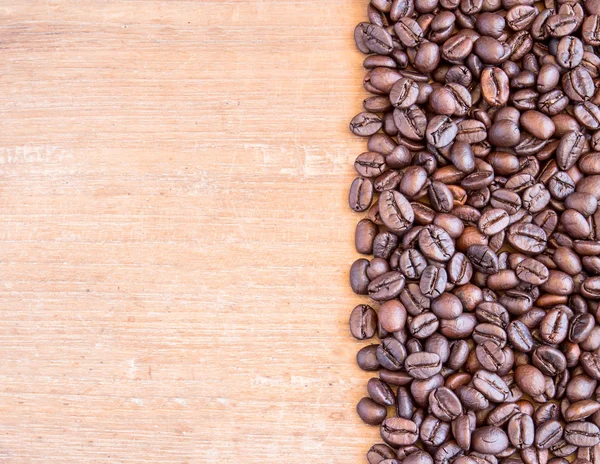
column 175, row 231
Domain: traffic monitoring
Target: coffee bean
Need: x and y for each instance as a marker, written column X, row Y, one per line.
column 366, row 358
column 423, row 365
column 395, row 210
column 363, row 322
column 444, row 404
column 377, row 453
column 423, row 325
column 397, row 431
column 490, row 355
column 433, row 431
column 483, row 259
column 370, row 412
column 404, row 93
column 547, row 434
column 380, row 392
column 550, row 361
column 440, row 197
column 494, row 86
column 584, row 434
column 489, row 440
column 411, row 122
column 386, row 286
column 530, row 380
column 491, row 386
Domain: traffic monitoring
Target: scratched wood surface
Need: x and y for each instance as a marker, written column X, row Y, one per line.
column 175, row 234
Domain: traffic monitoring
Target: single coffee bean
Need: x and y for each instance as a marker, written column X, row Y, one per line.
column 423, row 325
column 591, row 364
column 395, row 210
column 447, row 306
column 404, row 93
column 527, row 238
column 547, row 434
column 410, row 122
column 537, row 124
column 578, row 84
column 365, row 124
column 535, row 198
column 582, row 434
column 494, row 86
column 423, row 365
column 441, row 131
column 377, row 453
column 380, row 392
column 521, row 431
column 361, row 194
column 408, row 32
column 554, row 327
column 457, row 48
column 366, row 358
column 397, row 431
column 433, row 431
column 530, row 380
column 440, row 197
column 550, row 361
column 491, row 386
column 490, row 355
column 370, row 412
column 444, row 404
column 581, row 410
column 363, row 322
column 489, row 440
column 386, row 286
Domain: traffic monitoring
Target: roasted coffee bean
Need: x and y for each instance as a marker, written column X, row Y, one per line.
column 363, row 322
column 395, row 210
column 581, row 410
column 380, row 392
column 365, row 124
column 423, row 325
column 491, row 386
column 554, row 327
column 386, row 286
column 444, row 404
column 584, row 434
column 366, row 358
column 490, row 355
column 371, row 38
column 397, row 431
column 530, row 380
column 377, row 453
column 527, row 238
column 489, row 440
column 495, row 86
column 423, row 365
column 433, row 431
column 547, row 434
column 550, row 361
column 440, row 197
column 370, row 412
column 578, row 84
column 441, row 131
column 408, row 32
column 520, row 337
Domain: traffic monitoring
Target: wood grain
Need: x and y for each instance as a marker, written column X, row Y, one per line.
column 175, row 232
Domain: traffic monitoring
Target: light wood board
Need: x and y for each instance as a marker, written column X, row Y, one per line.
column 175, row 234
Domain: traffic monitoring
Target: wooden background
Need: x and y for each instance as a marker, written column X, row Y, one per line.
column 175, row 234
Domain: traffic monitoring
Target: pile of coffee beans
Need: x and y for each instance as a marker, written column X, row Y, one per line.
column 479, row 190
